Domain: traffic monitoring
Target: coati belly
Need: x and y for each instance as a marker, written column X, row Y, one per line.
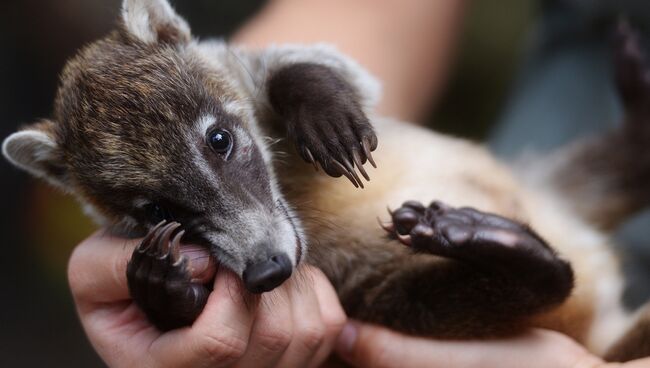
column 417, row 164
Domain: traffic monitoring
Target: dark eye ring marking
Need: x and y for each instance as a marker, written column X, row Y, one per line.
column 220, row 141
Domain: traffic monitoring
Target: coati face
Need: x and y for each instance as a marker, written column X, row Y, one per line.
column 144, row 132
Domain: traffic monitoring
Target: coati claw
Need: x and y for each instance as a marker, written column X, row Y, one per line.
column 159, row 280
column 146, row 242
column 329, row 120
column 357, row 162
column 366, row 149
column 388, row 226
column 310, row 157
column 348, row 165
column 404, row 239
column 345, row 173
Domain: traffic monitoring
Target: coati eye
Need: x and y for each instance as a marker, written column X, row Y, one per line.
column 220, row 141
column 158, row 213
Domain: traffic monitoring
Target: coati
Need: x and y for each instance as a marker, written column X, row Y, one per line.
column 157, row 133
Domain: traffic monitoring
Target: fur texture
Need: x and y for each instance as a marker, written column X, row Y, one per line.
column 131, row 137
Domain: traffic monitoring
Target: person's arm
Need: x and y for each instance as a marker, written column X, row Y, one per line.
column 371, row 347
column 296, row 325
column 406, row 44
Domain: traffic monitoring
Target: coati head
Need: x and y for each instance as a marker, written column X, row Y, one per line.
column 143, row 131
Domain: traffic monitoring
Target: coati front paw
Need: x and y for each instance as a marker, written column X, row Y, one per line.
column 324, row 119
column 491, row 242
column 159, row 281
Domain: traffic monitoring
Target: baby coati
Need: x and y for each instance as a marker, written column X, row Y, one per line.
column 159, row 134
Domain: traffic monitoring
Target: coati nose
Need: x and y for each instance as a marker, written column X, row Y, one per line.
column 266, row 276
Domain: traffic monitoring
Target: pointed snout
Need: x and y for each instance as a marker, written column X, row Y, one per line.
column 267, row 275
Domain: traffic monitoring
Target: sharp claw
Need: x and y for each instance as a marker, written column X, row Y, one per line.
column 359, row 164
column 366, row 149
column 146, row 242
column 310, row 157
column 390, row 212
column 388, row 226
column 345, row 172
column 174, row 248
column 163, row 239
column 351, row 170
column 404, row 239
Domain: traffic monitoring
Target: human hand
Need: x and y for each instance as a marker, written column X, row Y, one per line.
column 373, row 347
column 296, row 325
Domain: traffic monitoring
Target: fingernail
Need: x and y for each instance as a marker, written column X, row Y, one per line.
column 201, row 263
column 348, row 338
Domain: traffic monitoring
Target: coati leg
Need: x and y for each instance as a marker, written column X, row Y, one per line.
column 635, row 344
column 324, row 119
column 606, row 178
column 159, row 281
column 495, row 274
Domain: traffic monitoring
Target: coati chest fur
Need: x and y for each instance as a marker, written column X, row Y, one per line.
column 205, row 142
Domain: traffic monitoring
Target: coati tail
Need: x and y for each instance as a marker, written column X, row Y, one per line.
column 606, row 178
column 160, row 282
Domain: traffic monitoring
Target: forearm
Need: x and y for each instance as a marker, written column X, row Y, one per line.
column 407, row 44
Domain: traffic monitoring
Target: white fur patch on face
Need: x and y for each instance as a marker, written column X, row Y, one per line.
column 202, row 125
column 143, row 17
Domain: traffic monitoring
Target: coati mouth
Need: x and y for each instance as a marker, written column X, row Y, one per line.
column 258, row 278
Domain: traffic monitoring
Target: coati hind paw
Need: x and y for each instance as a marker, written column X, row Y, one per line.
column 324, row 119
column 160, row 283
column 488, row 241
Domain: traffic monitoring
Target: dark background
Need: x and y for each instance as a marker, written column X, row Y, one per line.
column 39, row 227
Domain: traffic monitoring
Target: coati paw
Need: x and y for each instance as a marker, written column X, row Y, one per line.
column 160, row 283
column 339, row 137
column 463, row 233
column 324, row 119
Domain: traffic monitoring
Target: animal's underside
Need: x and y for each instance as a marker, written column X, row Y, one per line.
column 469, row 248
column 436, row 270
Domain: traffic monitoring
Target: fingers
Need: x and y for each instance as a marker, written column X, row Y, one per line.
column 272, row 330
column 332, row 314
column 371, row 346
column 317, row 319
column 99, row 263
column 219, row 336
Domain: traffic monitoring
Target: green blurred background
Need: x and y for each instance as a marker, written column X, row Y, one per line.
column 38, row 325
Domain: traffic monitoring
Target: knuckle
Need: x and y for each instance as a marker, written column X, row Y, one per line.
column 311, row 336
column 275, row 339
column 334, row 320
column 221, row 348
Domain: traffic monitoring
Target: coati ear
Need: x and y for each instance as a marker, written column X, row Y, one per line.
column 153, row 21
column 36, row 151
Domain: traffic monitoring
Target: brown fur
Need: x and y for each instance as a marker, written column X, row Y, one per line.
column 124, row 116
